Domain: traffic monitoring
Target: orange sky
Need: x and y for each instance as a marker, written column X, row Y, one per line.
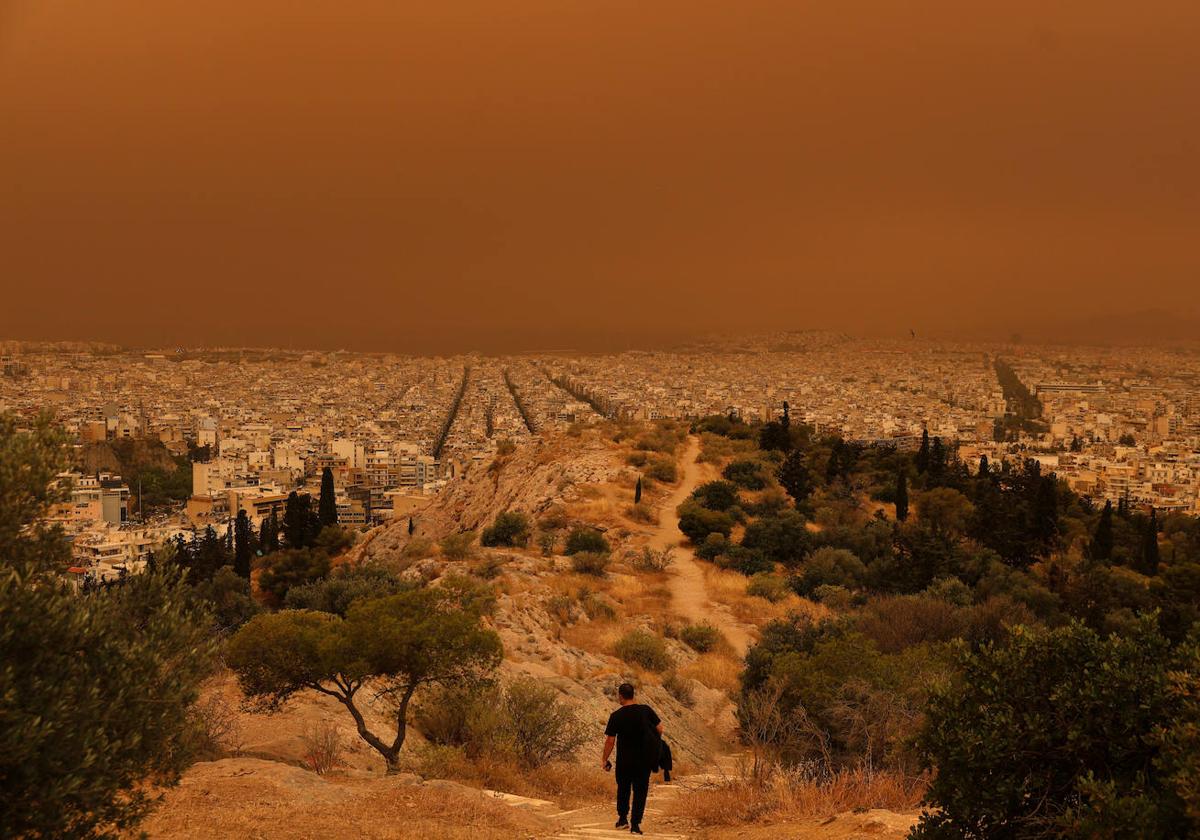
column 549, row 173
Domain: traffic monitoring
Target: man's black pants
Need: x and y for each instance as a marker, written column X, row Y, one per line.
column 637, row 782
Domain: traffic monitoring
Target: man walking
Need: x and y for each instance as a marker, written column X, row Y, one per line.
column 636, row 731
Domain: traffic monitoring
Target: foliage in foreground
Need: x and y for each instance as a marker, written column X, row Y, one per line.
column 96, row 688
column 1067, row 733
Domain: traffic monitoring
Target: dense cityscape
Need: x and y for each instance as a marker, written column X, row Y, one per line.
column 169, row 442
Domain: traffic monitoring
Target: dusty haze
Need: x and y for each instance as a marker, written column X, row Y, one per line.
column 530, row 174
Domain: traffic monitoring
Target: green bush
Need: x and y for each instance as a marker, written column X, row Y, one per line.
column 458, row 546
column 701, row 637
column 510, row 529
column 747, row 474
column 641, row 647
column 784, row 538
column 335, row 594
column 594, row 563
column 772, row 587
column 662, row 469
column 716, row 495
column 292, row 567
column 1065, row 733
column 697, row 522
column 586, row 539
column 830, row 567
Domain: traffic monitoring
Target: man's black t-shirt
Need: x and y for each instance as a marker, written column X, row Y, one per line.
column 637, row 741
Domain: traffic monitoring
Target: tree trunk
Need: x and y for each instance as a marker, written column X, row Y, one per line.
column 402, row 718
column 391, row 755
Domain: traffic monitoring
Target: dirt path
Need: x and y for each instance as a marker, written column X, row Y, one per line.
column 689, row 593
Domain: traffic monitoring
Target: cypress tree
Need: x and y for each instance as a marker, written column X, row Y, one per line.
column 298, row 520
column 923, row 452
column 937, row 458
column 985, row 469
column 1045, row 512
column 637, row 491
column 327, row 507
column 1150, row 556
column 786, row 422
column 901, row 496
column 269, row 536
column 793, row 475
column 1101, row 546
column 411, row 527
column 242, row 547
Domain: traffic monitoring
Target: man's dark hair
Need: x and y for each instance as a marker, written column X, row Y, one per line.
column 625, row 691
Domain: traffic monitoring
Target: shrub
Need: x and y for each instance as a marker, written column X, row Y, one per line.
column 834, row 597
column 680, row 688
column 745, row 560
column 324, row 748
column 489, row 567
column 458, row 546
column 554, row 518
column 417, row 548
column 651, row 560
column 830, row 567
column 714, row 546
column 596, row 606
column 547, row 542
column 716, row 495
column 227, row 594
column 1064, row 733
column 662, row 469
column 527, row 720
column 591, row 563
column 539, row 725
column 292, row 567
column 642, row 512
column 335, row 594
column 586, row 539
column 510, row 529
column 951, row 590
column 505, row 447
column 782, row 538
column 745, row 473
column 641, row 647
column 772, row 587
column 697, row 522
column 701, row 637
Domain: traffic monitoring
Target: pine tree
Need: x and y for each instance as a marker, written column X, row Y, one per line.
column 637, row 491
column 923, row 452
column 1101, row 546
column 901, row 496
column 793, row 475
column 327, row 507
column 243, row 548
column 1150, row 556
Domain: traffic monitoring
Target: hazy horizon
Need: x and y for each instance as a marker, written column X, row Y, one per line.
column 416, row 178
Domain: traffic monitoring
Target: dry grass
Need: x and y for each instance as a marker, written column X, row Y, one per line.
column 570, row 785
column 788, row 797
column 729, row 588
column 259, row 802
column 717, row 670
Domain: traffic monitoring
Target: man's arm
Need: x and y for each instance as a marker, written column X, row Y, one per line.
column 609, row 742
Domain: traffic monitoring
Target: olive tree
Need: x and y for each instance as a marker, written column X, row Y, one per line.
column 395, row 645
